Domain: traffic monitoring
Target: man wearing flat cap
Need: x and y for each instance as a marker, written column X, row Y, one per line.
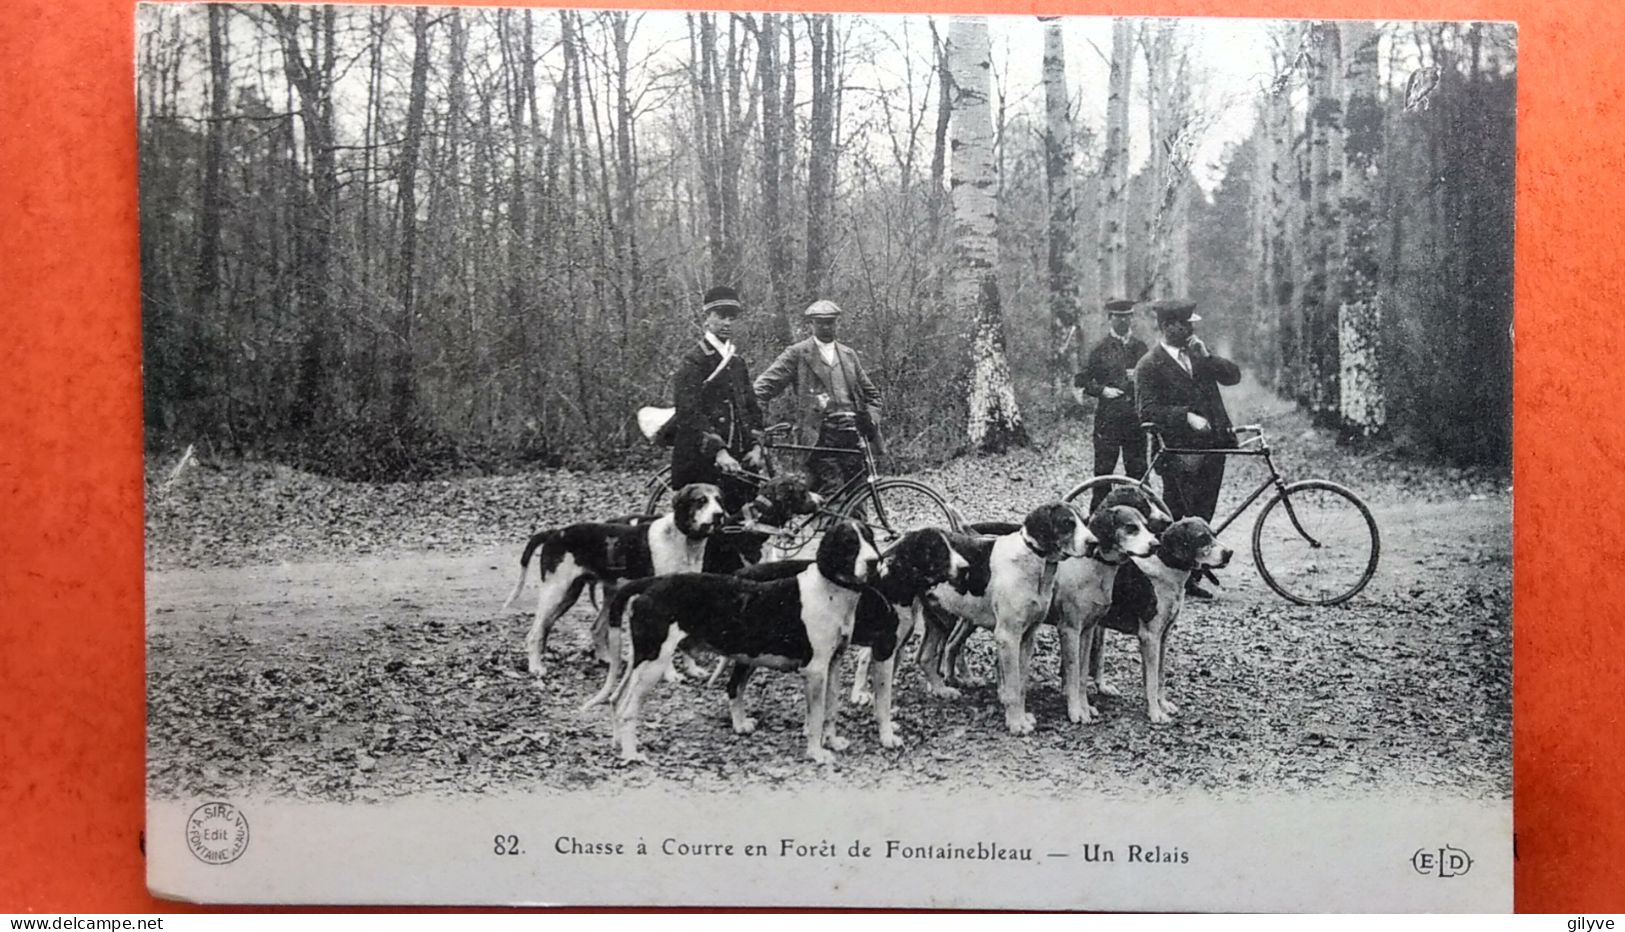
column 1178, row 383
column 717, row 428
column 1109, row 376
column 836, row 403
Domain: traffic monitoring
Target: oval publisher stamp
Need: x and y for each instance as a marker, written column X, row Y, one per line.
column 217, row 833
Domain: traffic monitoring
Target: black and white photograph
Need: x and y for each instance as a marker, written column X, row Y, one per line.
column 647, row 457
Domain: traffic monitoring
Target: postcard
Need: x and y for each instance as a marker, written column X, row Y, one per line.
column 689, row 458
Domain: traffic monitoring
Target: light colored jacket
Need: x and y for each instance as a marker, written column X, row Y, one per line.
column 800, row 369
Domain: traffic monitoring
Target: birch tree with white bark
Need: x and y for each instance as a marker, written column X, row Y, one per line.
column 1113, row 243
column 994, row 419
column 1361, row 403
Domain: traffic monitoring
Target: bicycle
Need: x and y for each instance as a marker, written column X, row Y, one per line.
column 1315, row 543
column 890, row 505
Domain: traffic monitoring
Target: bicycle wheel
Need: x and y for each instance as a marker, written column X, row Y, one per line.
column 1086, row 489
column 892, row 507
column 659, row 487
column 1315, row 543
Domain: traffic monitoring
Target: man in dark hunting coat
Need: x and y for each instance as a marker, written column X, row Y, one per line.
column 1109, row 376
column 717, row 428
column 1178, row 382
column 836, row 403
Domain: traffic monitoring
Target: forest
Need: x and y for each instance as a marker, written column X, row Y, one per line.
column 397, row 242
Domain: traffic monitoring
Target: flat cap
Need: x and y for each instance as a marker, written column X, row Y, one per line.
column 723, row 300
column 822, row 308
column 1170, row 309
column 1119, row 306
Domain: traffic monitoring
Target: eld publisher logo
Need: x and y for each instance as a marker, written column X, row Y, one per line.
column 1441, row 862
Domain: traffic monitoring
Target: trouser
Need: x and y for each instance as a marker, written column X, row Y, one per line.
column 1106, row 453
column 830, row 471
column 1192, row 488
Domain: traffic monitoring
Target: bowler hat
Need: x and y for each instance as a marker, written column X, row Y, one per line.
column 723, row 300
column 823, row 308
column 1118, row 306
column 1172, row 309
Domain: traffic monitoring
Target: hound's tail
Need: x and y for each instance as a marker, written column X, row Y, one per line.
column 536, row 540
column 619, row 673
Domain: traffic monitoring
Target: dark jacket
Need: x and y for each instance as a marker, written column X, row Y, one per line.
column 1108, row 366
column 712, row 414
column 1167, row 394
column 800, row 368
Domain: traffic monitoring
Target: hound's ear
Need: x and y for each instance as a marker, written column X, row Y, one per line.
column 1182, row 540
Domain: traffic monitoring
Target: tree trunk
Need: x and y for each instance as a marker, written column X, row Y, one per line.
column 1113, row 243
column 626, row 176
column 821, row 158
column 994, row 418
column 1063, row 214
column 312, row 78
column 707, row 101
column 1324, row 243
column 403, row 396
column 1361, row 397
column 208, row 235
column 778, row 272
column 939, row 147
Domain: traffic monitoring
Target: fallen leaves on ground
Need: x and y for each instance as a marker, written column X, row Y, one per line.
column 389, row 671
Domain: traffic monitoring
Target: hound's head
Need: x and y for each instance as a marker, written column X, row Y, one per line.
column 697, row 509
column 1056, row 531
column 1121, row 532
column 847, row 555
column 783, row 497
column 1135, row 497
column 1189, row 544
column 922, row 559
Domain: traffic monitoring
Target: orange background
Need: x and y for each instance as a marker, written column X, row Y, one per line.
column 71, row 660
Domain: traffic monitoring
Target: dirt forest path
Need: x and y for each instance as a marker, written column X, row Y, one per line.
column 337, row 641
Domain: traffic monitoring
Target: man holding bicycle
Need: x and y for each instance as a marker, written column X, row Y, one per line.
column 717, row 428
column 836, row 403
column 1178, row 382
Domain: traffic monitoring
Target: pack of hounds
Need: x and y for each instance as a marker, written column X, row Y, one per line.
column 1123, row 567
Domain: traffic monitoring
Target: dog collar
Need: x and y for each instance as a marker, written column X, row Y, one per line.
column 1095, row 556
column 1175, row 565
column 1031, row 545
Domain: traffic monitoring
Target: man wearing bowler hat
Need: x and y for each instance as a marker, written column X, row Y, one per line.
column 1109, row 376
column 1178, row 382
column 717, row 428
column 836, row 403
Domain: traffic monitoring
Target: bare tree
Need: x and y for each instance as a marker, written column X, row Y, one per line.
column 994, row 418
column 1063, row 213
column 939, row 148
column 770, row 91
column 1361, row 396
column 1113, row 243
column 207, row 281
column 1323, row 240
column 311, row 75
column 821, row 156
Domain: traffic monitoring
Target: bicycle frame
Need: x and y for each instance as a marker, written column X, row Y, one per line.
column 848, row 488
column 1274, row 481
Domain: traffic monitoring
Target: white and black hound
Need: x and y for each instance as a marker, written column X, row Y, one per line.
column 1149, row 596
column 608, row 554
column 1083, row 588
column 1077, row 578
column 1011, row 582
column 801, row 623
column 920, row 560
